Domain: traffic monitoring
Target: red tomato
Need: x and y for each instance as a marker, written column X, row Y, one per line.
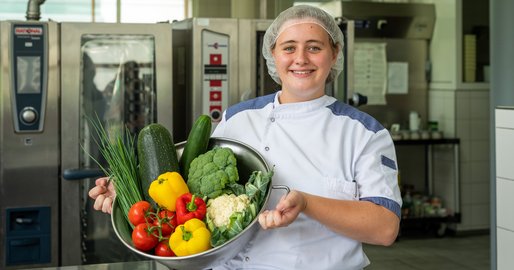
column 138, row 212
column 167, row 221
column 143, row 238
column 163, row 249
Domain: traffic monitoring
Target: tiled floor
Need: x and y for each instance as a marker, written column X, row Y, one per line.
column 447, row 253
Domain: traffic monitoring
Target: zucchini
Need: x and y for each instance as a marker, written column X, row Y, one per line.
column 157, row 154
column 196, row 144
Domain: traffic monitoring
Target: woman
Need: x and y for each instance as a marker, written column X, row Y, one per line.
column 339, row 162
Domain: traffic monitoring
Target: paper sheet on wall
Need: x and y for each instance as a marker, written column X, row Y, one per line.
column 397, row 78
column 371, row 71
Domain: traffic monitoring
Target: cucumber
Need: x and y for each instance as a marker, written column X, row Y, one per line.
column 156, row 153
column 196, row 144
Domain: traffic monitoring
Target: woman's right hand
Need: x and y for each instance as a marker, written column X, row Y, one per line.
column 103, row 194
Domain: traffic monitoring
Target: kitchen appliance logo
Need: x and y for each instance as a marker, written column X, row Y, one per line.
column 35, row 31
column 216, row 45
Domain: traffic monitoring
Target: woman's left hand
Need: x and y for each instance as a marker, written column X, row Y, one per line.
column 286, row 211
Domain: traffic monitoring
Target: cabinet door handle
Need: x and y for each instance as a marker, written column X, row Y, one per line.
column 82, row 173
column 24, row 242
column 24, row 221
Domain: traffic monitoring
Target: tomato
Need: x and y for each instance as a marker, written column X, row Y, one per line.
column 167, row 221
column 138, row 212
column 163, row 249
column 143, row 237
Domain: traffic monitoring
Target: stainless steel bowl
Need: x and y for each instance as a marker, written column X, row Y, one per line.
column 248, row 160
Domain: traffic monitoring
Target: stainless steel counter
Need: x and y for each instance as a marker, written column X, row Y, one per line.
column 139, row 265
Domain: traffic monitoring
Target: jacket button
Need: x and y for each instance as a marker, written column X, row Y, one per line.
column 247, row 259
column 272, row 119
column 266, row 148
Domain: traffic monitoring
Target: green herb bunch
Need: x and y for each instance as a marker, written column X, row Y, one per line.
column 118, row 149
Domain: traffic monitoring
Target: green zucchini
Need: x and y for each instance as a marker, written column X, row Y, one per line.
column 156, row 153
column 196, row 144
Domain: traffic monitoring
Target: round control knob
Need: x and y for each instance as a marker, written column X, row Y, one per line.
column 216, row 115
column 28, row 115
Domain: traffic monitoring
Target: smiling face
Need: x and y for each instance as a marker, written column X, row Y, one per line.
column 303, row 56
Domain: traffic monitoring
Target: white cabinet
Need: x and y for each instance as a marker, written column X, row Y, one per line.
column 504, row 186
column 504, row 242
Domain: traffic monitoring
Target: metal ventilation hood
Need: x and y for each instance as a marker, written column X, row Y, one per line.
column 390, row 20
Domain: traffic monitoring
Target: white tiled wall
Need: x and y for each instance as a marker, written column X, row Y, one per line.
column 465, row 114
column 504, row 133
column 441, row 108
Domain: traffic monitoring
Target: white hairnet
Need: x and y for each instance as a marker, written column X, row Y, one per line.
column 302, row 14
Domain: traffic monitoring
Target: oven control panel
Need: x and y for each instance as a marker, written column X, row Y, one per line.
column 215, row 51
column 29, row 74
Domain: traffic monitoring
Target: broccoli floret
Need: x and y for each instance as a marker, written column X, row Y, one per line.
column 210, row 173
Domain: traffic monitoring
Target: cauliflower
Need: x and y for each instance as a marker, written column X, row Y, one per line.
column 222, row 207
column 212, row 172
column 230, row 213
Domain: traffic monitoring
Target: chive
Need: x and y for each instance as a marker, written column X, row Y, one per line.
column 118, row 149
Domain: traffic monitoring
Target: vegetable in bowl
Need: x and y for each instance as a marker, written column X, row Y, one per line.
column 231, row 206
column 211, row 173
column 228, row 214
column 248, row 161
column 221, row 208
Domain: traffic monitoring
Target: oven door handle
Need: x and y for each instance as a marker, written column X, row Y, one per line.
column 83, row 173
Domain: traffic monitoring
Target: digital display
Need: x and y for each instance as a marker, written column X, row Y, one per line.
column 28, row 69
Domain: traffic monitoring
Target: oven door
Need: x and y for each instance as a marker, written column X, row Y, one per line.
column 255, row 80
column 119, row 75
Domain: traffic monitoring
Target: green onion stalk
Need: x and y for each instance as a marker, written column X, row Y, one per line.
column 120, row 154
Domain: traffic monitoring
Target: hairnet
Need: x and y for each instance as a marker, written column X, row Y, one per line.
column 302, row 14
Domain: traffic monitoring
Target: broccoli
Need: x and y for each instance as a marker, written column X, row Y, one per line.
column 212, row 172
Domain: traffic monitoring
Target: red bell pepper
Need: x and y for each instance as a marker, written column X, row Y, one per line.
column 189, row 206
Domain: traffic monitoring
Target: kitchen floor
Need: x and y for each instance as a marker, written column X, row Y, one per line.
column 450, row 252
column 446, row 253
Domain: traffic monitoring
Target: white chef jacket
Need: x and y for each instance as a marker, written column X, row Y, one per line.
column 322, row 147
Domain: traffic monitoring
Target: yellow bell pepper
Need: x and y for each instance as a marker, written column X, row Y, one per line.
column 190, row 238
column 167, row 188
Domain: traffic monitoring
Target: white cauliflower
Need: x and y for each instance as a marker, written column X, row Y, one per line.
column 222, row 207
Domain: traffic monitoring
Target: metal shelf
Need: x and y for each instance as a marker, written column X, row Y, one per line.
column 428, row 145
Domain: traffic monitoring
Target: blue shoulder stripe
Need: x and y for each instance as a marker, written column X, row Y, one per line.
column 385, row 202
column 388, row 162
column 339, row 108
column 252, row 104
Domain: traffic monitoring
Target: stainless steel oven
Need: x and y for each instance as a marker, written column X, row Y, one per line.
column 53, row 77
column 217, row 63
column 254, row 79
column 29, row 142
column 120, row 73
